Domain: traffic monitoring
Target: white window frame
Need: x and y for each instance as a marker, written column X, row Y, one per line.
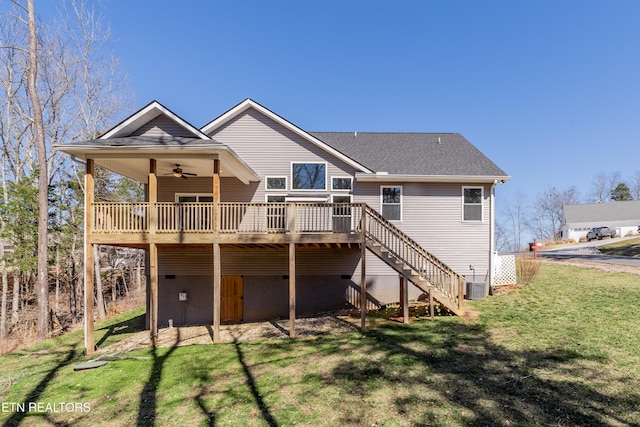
column 276, row 217
column 342, row 214
column 350, row 196
column 196, row 195
column 326, row 175
column 463, row 204
column 266, row 197
column 266, row 183
column 350, row 178
column 180, row 210
column 401, row 201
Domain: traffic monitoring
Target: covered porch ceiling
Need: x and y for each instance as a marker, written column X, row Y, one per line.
column 135, row 163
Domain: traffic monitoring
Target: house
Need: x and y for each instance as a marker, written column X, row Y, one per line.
column 578, row 219
column 251, row 217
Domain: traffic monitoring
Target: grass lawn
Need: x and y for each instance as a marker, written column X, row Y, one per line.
column 629, row 247
column 563, row 351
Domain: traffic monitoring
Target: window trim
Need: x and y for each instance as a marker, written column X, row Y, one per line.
column 266, row 197
column 350, row 178
column 350, row 196
column 196, row 195
column 401, row 201
column 326, row 175
column 266, row 183
column 473, row 187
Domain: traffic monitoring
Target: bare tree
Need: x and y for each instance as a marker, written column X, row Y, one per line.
column 548, row 210
column 43, row 176
column 634, row 186
column 80, row 93
column 603, row 186
column 515, row 219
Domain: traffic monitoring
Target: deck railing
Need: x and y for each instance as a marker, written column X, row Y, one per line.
column 120, row 217
column 136, row 217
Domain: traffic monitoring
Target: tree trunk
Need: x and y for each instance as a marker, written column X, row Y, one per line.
column 114, row 286
column 99, row 296
column 16, row 298
column 57, row 279
column 43, row 178
column 5, row 291
column 138, row 285
column 124, row 282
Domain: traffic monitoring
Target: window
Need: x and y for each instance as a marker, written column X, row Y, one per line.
column 308, row 176
column 341, row 214
column 341, row 183
column 276, row 199
column 276, row 215
column 472, row 203
column 191, row 217
column 391, row 202
column 276, row 183
column 192, row 198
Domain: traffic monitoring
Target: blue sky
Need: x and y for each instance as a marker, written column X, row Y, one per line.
column 549, row 90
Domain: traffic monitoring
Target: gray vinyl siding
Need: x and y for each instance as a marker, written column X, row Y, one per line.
column 432, row 215
column 231, row 189
column 162, row 126
column 269, row 149
column 239, row 262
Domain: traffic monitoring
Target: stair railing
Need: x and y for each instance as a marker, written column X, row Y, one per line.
column 409, row 252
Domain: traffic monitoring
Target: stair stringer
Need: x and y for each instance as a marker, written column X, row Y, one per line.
column 414, row 277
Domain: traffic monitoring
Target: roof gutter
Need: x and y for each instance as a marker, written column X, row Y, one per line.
column 384, row 177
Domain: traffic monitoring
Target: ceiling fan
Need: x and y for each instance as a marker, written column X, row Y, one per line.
column 179, row 173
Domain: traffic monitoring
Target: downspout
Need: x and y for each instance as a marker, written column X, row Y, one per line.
column 492, row 232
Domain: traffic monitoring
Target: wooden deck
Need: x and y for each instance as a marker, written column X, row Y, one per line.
column 149, row 224
column 140, row 223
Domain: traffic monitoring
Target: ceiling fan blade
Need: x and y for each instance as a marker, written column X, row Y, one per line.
column 189, row 173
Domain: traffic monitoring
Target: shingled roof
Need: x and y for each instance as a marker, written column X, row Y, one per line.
column 606, row 213
column 427, row 154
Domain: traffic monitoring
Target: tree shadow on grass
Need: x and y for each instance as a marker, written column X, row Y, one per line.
column 135, row 324
column 19, row 416
column 147, row 409
column 458, row 365
column 251, row 383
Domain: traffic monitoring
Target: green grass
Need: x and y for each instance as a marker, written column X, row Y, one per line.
column 630, row 247
column 564, row 350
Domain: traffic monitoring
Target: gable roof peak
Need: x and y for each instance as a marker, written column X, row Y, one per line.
column 144, row 116
column 240, row 108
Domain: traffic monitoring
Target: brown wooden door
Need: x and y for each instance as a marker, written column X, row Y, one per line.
column 232, row 293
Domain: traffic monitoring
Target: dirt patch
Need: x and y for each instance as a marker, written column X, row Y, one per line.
column 191, row 335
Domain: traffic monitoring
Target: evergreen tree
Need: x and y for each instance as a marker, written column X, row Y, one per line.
column 621, row 193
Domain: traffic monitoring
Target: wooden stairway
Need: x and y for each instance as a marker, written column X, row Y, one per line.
column 410, row 259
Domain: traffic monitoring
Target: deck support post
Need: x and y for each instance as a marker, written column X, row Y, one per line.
column 153, row 196
column 431, row 308
column 363, row 287
column 404, row 298
column 216, row 194
column 153, row 253
column 89, row 272
column 153, row 294
column 292, row 290
column 217, row 285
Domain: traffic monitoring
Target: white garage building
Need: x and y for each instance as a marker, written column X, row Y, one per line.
column 579, row 219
